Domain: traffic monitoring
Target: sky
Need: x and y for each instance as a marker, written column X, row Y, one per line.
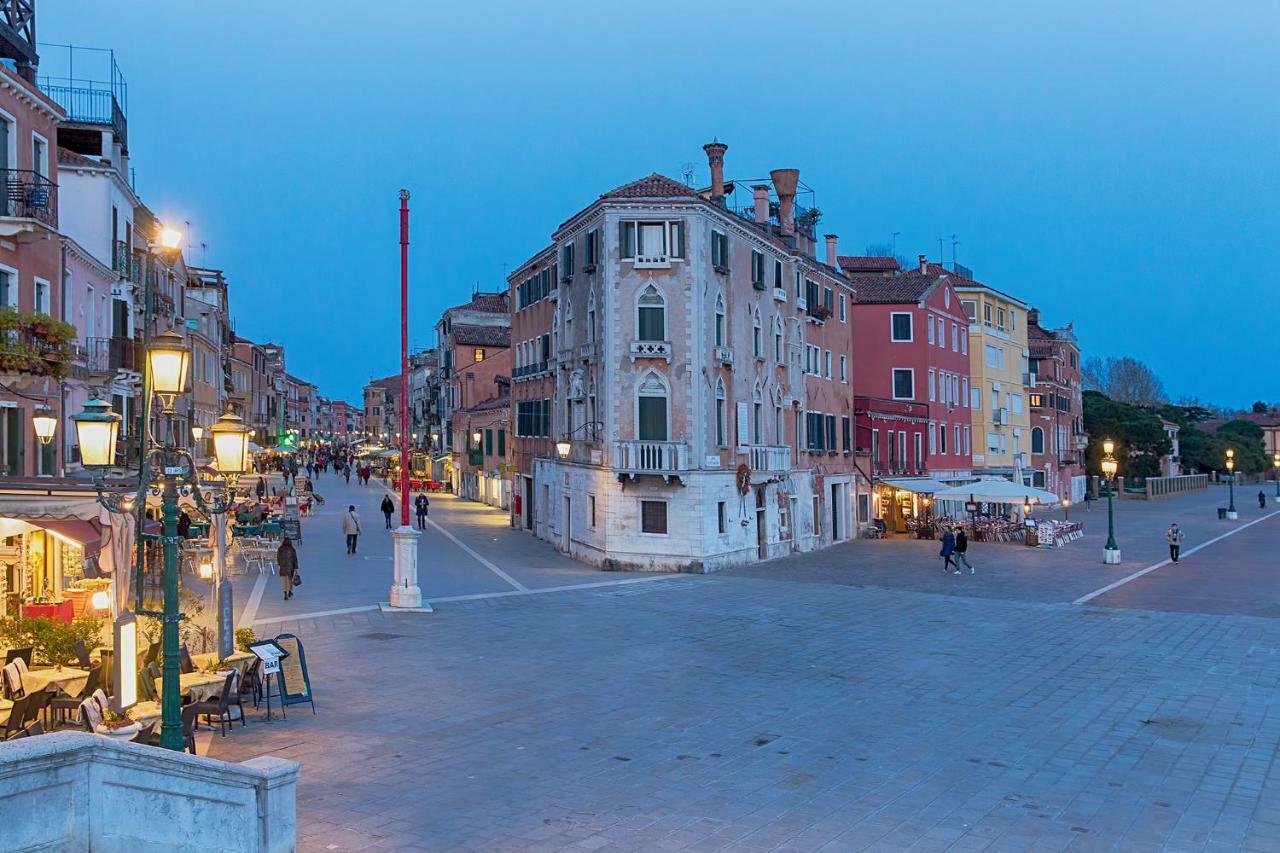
column 1113, row 163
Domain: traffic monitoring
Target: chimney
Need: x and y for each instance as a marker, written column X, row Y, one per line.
column 715, row 159
column 761, row 193
column 1033, row 316
column 832, row 252
column 784, row 184
column 924, row 265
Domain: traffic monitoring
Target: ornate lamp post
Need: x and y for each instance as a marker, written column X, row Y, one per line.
column 1111, row 552
column 170, row 475
column 45, row 423
column 1276, row 461
column 1231, row 484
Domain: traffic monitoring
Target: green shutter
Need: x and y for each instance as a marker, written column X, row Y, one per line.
column 680, row 239
column 502, row 443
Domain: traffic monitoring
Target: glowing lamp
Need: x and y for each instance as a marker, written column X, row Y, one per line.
column 197, row 432
column 45, row 424
column 206, row 570
column 562, row 448
column 97, row 429
column 231, row 444
column 1108, row 446
column 100, row 600
column 169, row 360
column 169, row 238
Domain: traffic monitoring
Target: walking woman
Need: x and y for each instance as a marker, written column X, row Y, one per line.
column 287, row 560
column 387, row 508
column 948, row 549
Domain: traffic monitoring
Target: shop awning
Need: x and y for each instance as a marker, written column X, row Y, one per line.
column 919, row 485
column 86, row 534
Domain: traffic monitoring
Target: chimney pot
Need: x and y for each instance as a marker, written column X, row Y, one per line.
column 785, row 182
column 924, row 265
column 715, row 159
column 761, row 197
column 832, row 252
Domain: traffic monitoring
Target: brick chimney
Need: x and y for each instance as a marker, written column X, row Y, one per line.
column 715, row 159
column 832, row 252
column 761, row 195
column 924, row 265
column 784, row 184
column 1033, row 316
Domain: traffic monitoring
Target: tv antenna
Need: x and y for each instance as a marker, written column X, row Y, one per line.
column 894, row 250
column 686, row 170
column 954, row 243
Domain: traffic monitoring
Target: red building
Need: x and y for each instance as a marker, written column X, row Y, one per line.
column 910, row 371
column 1058, row 439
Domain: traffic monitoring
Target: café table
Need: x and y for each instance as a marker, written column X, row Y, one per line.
column 239, row 660
column 199, row 686
column 68, row 680
column 61, row 611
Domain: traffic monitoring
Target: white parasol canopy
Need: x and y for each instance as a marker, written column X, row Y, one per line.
column 996, row 490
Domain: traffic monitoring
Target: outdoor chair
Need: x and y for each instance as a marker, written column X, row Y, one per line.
column 153, row 653
column 17, row 718
column 147, row 685
column 37, row 703
column 252, row 682
column 189, row 713
column 31, row 730
column 23, row 653
column 220, row 705
column 62, row 703
column 90, row 715
column 145, row 735
column 82, row 655
column 11, row 675
column 185, row 663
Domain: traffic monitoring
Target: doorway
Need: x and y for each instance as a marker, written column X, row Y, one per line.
column 762, row 531
column 528, row 503
column 835, row 512
column 564, row 525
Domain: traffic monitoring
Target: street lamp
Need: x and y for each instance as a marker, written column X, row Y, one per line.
column 45, row 424
column 1111, row 552
column 171, row 474
column 1231, row 484
column 1276, row 460
column 1066, row 508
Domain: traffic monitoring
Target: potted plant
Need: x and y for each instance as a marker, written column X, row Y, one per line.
column 118, row 726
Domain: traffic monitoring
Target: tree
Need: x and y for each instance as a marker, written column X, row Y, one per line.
column 1124, row 380
column 1259, row 407
column 885, row 250
column 1246, row 439
column 1138, row 433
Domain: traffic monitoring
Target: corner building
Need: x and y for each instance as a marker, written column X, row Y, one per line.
column 692, row 412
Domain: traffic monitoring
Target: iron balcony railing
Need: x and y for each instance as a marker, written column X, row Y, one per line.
column 106, row 355
column 126, row 261
column 29, row 195
column 88, row 103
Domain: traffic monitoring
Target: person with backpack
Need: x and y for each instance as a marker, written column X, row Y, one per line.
column 351, row 527
column 962, row 548
column 948, row 549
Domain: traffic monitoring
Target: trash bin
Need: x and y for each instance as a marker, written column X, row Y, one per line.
column 1222, row 512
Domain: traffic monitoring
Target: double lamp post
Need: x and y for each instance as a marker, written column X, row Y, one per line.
column 167, row 472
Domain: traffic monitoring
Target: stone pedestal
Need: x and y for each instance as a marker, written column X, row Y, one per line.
column 1111, row 556
column 405, row 593
column 1232, row 515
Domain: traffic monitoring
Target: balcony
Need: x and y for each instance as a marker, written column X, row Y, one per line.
column 664, row 458
column 652, row 262
column 760, row 286
column 780, row 294
column 768, row 457
column 724, row 355
column 589, row 352
column 818, row 313
column 34, row 344
column 651, row 349
column 28, row 195
column 126, row 262
column 92, row 102
column 525, row 371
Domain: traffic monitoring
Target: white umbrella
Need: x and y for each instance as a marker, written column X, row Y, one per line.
column 998, row 491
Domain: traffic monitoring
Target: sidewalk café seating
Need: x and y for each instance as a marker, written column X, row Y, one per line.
column 24, row 654
column 218, row 708
column 90, row 715
column 252, row 682
column 62, row 703
column 12, row 677
column 17, row 717
column 185, row 664
column 189, row 727
column 82, row 655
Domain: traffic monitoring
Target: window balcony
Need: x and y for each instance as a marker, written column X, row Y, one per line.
column 769, row 457
column 34, row 344
column 780, row 294
column 724, row 355
column 664, row 458
column 651, row 349
column 27, row 195
column 818, row 313
column 652, row 262
column 589, row 352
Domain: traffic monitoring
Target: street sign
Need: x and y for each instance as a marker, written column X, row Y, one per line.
column 970, row 506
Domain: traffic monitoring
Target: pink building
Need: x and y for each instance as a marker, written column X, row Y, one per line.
column 700, row 404
column 534, row 292
column 1058, row 439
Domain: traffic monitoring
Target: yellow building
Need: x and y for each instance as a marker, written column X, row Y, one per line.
column 998, row 380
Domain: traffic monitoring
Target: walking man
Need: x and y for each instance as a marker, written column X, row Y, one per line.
column 1262, row 500
column 421, row 504
column 351, row 527
column 948, row 548
column 1088, row 500
column 346, row 473
column 387, row 508
column 962, row 547
column 1174, row 537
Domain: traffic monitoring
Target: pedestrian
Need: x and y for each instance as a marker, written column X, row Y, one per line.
column 962, row 548
column 421, row 505
column 261, row 488
column 184, row 524
column 1088, row 500
column 287, row 563
column 387, row 508
column 948, row 548
column 351, row 527
column 311, row 469
column 1262, row 500
column 1174, row 537
column 346, row 472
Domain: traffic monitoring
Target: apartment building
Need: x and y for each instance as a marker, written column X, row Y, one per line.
column 1056, row 410
column 697, row 413
column 911, row 379
column 533, row 382
column 381, row 412
column 999, row 378
column 467, row 336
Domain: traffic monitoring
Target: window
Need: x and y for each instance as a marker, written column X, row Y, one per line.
column 970, row 309
column 533, row 418
column 719, row 320
column 844, row 368
column 902, row 448
column 591, row 248
column 933, row 438
column 1015, row 403
column 650, row 241
column 955, row 338
column 720, row 519
column 757, row 417
column 1013, row 320
column 651, row 316
column 1036, row 400
column 42, row 297
column 826, row 364
column 919, row 450
column 904, row 383
column 995, row 356
column 777, row 339
column 653, row 517
column 932, row 395
column 928, row 325
column 720, row 251
column 1037, row 440
column 488, row 442
column 811, row 294
column 828, row 300
column 843, row 309
column 479, row 354
column 986, row 313
column 502, row 443
column 39, row 155
column 566, row 261
column 591, row 510
column 845, row 433
column 966, row 441
column 975, row 398
column 8, row 288
column 1000, row 318
column 720, row 413
column 942, row 436
column 651, row 409
column 757, row 342
column 814, row 429
column 900, row 327
column 777, row 275
column 830, row 443
column 757, row 267
column 964, row 344
column 964, row 391
column 993, row 442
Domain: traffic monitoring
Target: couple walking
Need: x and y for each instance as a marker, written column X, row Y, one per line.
column 420, row 505
column 955, row 547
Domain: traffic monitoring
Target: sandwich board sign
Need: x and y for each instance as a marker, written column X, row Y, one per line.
column 270, row 653
column 295, row 680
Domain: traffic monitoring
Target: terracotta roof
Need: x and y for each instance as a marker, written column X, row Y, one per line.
column 482, row 336
column 894, row 289
column 71, row 158
column 868, row 263
column 653, row 186
column 502, row 401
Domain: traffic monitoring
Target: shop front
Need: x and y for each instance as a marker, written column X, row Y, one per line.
column 904, row 505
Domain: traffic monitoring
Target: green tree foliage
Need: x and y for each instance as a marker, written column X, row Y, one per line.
column 1246, row 439
column 1204, row 451
column 1139, row 436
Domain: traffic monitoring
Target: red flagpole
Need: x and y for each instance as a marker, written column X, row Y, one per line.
column 405, row 459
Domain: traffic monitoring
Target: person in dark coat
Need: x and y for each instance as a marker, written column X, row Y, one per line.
column 261, row 488
column 1262, row 500
column 184, row 524
column 387, row 508
column 948, row 549
column 421, row 504
column 962, row 548
column 287, row 561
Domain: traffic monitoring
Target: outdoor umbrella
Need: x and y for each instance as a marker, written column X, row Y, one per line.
column 997, row 491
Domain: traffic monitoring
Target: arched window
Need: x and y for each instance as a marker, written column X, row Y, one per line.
column 719, row 319
column 651, row 408
column 757, row 415
column 651, row 315
column 777, row 339
column 777, row 417
column 757, row 344
column 720, row 412
column 1037, row 440
column 591, row 317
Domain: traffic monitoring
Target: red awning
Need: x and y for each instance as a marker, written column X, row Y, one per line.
column 86, row 534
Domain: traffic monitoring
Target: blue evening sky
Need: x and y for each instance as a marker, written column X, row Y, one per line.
column 1114, row 163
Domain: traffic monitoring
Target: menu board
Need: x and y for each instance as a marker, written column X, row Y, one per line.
column 294, row 678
